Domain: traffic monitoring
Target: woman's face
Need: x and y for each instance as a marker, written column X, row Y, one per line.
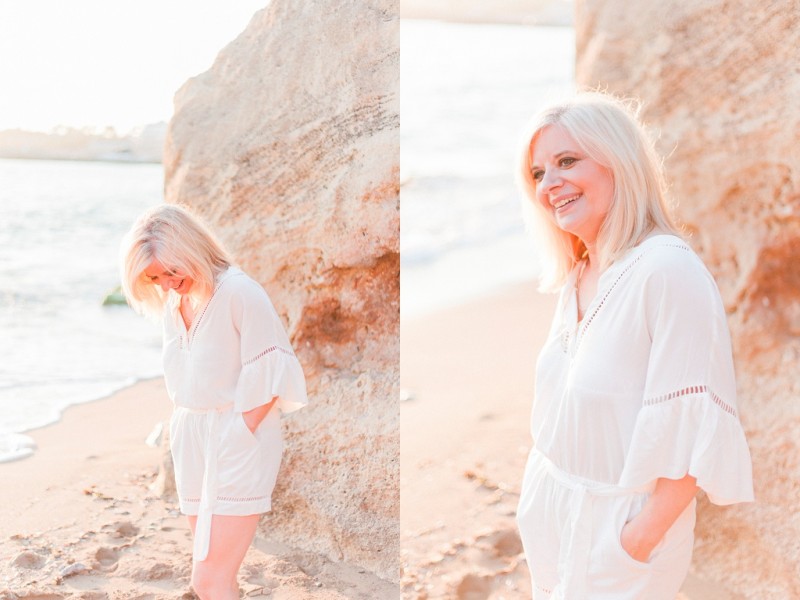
column 158, row 274
column 575, row 190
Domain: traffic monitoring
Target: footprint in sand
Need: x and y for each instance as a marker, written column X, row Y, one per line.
column 496, row 555
column 504, row 543
column 474, row 587
column 29, row 560
column 123, row 529
column 154, row 572
column 106, row 559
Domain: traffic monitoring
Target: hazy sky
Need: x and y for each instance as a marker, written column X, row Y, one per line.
column 107, row 62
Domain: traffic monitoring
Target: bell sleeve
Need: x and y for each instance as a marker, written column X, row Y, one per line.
column 689, row 421
column 269, row 365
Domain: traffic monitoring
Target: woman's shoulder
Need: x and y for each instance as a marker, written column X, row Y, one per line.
column 668, row 267
column 668, row 255
column 234, row 285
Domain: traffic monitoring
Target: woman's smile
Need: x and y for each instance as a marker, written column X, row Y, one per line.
column 168, row 279
column 565, row 201
column 574, row 187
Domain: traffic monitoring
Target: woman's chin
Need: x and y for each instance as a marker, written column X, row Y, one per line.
column 573, row 224
column 570, row 226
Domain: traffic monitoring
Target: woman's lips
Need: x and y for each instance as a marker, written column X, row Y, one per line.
column 566, row 201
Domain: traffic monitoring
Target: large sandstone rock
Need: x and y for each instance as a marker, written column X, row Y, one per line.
column 289, row 147
column 719, row 80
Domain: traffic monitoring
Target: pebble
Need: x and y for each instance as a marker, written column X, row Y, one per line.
column 73, row 569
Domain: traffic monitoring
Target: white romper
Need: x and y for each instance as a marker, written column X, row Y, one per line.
column 642, row 388
column 236, row 356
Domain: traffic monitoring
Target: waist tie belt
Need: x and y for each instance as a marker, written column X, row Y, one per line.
column 208, row 493
column 573, row 556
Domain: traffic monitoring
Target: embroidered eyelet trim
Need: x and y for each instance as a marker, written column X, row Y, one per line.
column 196, row 325
column 192, row 333
column 608, row 293
column 565, row 341
column 588, row 321
column 544, row 589
column 263, row 353
column 250, row 499
column 691, row 390
column 228, row 499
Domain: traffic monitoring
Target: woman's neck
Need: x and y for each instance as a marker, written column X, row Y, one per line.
column 592, row 253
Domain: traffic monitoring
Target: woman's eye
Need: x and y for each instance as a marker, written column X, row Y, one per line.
column 537, row 174
column 567, row 161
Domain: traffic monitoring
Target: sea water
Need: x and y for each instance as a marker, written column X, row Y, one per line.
column 467, row 91
column 61, row 223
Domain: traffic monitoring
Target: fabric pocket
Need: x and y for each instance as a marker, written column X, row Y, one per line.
column 629, row 511
column 609, row 558
column 627, row 557
column 245, row 432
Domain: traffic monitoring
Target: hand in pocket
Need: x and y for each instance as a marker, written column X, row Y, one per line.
column 632, row 543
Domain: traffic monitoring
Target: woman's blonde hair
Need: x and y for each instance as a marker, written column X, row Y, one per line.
column 179, row 241
column 609, row 131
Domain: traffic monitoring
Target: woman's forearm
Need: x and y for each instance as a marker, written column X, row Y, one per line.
column 669, row 499
column 253, row 418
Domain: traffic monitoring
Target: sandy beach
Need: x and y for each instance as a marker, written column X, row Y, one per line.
column 81, row 519
column 467, row 373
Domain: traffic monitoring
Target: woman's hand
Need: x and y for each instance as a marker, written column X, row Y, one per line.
column 643, row 533
column 253, row 418
column 635, row 544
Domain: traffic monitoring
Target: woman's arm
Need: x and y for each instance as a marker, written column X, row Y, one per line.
column 253, row 418
column 670, row 498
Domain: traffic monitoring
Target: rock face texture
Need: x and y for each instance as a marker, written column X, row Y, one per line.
column 718, row 78
column 289, row 147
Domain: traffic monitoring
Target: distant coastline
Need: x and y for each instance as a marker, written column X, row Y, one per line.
column 512, row 12
column 142, row 145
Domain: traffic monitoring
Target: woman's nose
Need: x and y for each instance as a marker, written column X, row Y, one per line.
column 166, row 286
column 550, row 179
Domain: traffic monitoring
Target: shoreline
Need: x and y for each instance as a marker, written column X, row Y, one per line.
column 503, row 12
column 84, row 518
column 26, row 433
column 83, row 160
column 466, row 20
column 91, row 444
column 468, row 378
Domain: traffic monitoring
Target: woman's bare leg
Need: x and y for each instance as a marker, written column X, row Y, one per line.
column 215, row 577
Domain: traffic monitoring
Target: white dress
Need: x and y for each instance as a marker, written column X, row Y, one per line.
column 236, row 356
column 642, row 388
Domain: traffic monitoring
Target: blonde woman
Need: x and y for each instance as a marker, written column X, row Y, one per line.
column 229, row 370
column 635, row 404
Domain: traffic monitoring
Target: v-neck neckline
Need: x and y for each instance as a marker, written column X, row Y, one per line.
column 198, row 316
column 580, row 269
column 577, row 325
column 183, row 318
